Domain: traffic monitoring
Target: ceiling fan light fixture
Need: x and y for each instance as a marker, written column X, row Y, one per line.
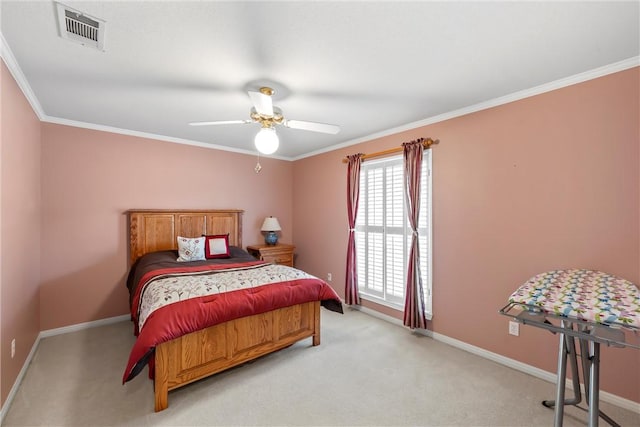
column 267, row 140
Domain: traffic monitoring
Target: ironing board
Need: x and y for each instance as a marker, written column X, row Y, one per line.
column 590, row 306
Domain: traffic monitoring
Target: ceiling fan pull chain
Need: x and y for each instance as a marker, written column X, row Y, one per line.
column 258, row 167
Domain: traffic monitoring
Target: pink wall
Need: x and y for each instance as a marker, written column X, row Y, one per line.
column 90, row 178
column 548, row 182
column 20, row 228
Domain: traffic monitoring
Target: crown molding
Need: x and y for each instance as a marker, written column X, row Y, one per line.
column 105, row 128
column 516, row 96
column 18, row 75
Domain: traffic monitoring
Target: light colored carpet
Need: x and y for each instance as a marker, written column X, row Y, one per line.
column 366, row 372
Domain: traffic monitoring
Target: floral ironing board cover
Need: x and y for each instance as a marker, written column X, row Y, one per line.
column 587, row 295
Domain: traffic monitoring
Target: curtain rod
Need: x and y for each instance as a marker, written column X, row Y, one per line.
column 427, row 143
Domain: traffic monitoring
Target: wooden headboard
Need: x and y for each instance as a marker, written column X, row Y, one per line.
column 153, row 230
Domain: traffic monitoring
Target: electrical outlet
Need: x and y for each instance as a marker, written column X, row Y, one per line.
column 13, row 348
column 514, row 328
column 329, row 277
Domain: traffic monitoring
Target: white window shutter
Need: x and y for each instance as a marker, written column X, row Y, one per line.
column 383, row 235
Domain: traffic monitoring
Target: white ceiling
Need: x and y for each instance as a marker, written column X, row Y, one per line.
column 369, row 67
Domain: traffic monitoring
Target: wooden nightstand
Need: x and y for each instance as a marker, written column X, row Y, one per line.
column 276, row 254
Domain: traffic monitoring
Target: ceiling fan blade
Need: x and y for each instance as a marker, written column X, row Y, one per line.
column 262, row 103
column 312, row 126
column 220, row 122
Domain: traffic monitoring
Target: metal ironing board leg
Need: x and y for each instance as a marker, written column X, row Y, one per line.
column 587, row 362
column 560, row 386
column 594, row 383
column 572, row 354
column 586, row 365
column 590, row 361
column 567, row 350
column 590, row 358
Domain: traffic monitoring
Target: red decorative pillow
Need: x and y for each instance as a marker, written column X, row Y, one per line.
column 216, row 246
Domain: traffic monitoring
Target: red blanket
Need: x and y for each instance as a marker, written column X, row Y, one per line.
column 183, row 317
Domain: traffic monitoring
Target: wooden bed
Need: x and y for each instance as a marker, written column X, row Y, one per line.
column 202, row 353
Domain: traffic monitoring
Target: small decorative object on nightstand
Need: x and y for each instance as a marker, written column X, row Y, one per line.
column 271, row 225
column 281, row 253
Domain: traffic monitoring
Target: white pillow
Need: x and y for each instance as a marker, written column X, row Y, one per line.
column 190, row 249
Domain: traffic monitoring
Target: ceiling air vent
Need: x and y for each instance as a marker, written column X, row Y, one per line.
column 81, row 28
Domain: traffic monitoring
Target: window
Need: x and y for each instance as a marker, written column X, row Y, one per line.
column 383, row 235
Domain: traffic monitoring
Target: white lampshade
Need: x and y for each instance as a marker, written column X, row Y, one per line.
column 271, row 224
column 267, row 141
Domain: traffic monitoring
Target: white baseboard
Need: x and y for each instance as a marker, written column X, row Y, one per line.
column 18, row 381
column 506, row 361
column 85, row 325
column 50, row 333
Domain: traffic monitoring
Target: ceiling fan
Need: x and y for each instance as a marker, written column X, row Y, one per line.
column 265, row 113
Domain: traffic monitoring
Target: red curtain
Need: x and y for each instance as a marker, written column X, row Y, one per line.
column 414, row 307
column 351, row 295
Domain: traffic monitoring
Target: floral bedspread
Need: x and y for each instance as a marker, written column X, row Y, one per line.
column 583, row 294
column 169, row 290
column 172, row 299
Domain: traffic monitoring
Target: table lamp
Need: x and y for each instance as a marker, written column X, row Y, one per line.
column 271, row 225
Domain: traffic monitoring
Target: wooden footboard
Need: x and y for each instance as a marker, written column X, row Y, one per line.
column 215, row 349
